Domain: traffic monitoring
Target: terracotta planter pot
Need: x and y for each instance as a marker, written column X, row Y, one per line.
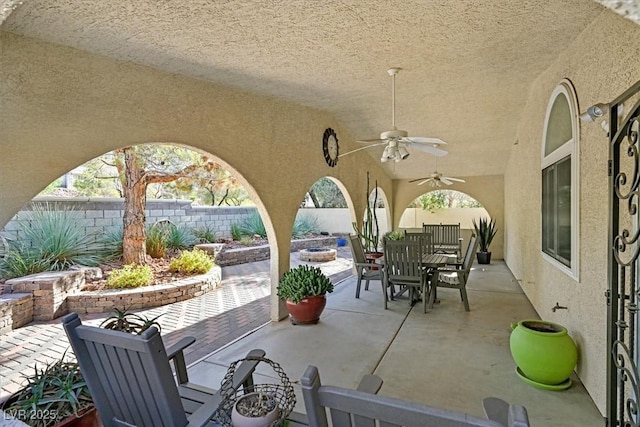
column 306, row 311
column 371, row 257
column 543, row 351
column 87, row 418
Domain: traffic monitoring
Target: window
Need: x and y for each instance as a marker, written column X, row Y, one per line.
column 560, row 181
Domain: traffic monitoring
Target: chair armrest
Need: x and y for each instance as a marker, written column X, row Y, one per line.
column 502, row 412
column 370, row 384
column 175, row 354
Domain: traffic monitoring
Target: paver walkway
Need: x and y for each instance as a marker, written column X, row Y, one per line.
column 238, row 306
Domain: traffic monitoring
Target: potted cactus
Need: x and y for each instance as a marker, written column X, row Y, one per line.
column 304, row 288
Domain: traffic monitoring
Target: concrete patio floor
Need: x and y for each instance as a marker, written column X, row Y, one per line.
column 446, row 358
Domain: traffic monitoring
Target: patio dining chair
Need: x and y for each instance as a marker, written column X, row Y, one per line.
column 364, row 270
column 425, row 240
column 349, row 408
column 403, row 268
column 131, row 382
column 456, row 278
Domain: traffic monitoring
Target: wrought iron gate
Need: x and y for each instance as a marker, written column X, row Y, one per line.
column 623, row 293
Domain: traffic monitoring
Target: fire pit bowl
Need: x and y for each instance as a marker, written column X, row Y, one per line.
column 317, row 254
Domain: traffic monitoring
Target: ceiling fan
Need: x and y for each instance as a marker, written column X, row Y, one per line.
column 436, row 179
column 397, row 140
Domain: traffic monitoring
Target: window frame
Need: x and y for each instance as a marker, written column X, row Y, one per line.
column 569, row 149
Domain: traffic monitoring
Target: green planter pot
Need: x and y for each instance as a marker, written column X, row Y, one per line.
column 544, row 352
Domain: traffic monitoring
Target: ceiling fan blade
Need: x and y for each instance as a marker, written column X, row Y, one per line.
column 420, row 179
column 426, row 148
column 366, row 141
column 425, row 181
column 445, row 180
column 426, row 140
column 362, row 148
column 454, row 179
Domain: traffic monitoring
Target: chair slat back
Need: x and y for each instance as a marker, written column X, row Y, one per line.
column 366, row 409
column 450, row 234
column 357, row 251
column 469, row 256
column 435, row 230
column 128, row 375
column 402, row 259
column 425, row 240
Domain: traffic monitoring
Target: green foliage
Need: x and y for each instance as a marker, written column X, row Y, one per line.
column 394, row 235
column 433, row 201
column 125, row 321
column 22, row 262
column 195, row 261
column 252, row 225
column 130, row 276
column 181, row 237
column 325, row 194
column 204, row 235
column 370, row 233
column 246, row 241
column 52, row 394
column 485, row 230
column 236, row 231
column 157, row 241
column 303, row 281
column 111, row 242
column 51, row 241
column 304, row 225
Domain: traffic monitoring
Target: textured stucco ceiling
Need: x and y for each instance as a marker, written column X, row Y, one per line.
column 468, row 64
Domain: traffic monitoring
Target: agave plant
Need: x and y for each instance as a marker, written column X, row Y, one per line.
column 485, row 230
column 125, row 321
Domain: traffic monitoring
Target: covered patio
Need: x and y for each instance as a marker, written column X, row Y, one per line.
column 447, row 358
column 256, row 85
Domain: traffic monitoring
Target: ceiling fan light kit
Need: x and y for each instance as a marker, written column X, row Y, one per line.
column 397, row 140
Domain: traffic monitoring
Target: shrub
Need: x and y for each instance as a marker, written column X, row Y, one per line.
column 181, row 237
column 195, row 261
column 252, row 225
column 205, row 235
column 130, row 276
column 19, row 263
column 157, row 241
column 304, row 225
column 236, row 231
column 55, row 239
column 246, row 241
column 125, row 321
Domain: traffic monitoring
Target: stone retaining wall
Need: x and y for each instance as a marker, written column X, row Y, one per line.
column 15, row 310
column 147, row 297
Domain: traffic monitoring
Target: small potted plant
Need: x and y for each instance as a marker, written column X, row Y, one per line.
column 485, row 230
column 55, row 395
column 304, row 290
column 255, row 409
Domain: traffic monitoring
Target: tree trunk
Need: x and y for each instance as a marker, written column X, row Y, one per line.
column 134, row 237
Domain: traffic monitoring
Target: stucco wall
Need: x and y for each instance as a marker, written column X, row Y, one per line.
column 601, row 64
column 61, row 107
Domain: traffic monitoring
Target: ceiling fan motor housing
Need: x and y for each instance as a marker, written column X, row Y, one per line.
column 394, row 134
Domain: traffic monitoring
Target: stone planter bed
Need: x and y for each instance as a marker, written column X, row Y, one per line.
column 49, row 295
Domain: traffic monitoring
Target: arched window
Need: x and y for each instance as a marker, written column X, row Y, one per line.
column 560, row 179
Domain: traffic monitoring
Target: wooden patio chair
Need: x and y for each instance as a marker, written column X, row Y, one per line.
column 364, row 270
column 359, row 408
column 425, row 239
column 403, row 268
column 446, row 237
column 456, row 278
column 131, row 382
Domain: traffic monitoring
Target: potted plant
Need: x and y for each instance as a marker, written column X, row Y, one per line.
column 304, row 288
column 55, row 395
column 255, row 409
column 370, row 232
column 485, row 230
